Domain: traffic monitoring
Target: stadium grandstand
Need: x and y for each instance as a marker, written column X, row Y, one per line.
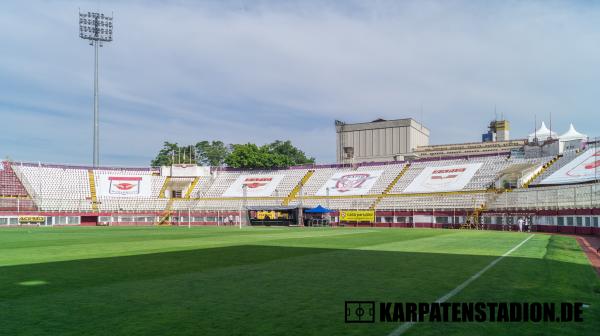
column 183, row 179
column 558, row 193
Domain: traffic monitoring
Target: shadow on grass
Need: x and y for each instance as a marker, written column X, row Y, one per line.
column 259, row 290
column 73, row 274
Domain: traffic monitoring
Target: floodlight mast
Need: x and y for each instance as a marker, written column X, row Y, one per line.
column 98, row 29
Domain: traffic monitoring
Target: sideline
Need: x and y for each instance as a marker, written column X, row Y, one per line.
column 589, row 246
column 407, row 325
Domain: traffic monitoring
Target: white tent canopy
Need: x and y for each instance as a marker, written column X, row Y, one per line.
column 542, row 133
column 572, row 134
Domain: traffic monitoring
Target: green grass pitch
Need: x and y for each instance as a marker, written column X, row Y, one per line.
column 275, row 281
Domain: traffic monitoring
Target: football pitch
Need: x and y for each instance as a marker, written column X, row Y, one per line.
column 278, row 281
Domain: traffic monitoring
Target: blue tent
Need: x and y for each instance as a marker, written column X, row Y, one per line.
column 318, row 209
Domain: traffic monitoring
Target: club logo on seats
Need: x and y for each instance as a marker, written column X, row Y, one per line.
column 351, row 181
column 587, row 167
column 347, row 183
column 443, row 178
column 594, row 164
column 440, row 174
column 121, row 185
column 257, row 182
column 253, row 186
column 125, row 186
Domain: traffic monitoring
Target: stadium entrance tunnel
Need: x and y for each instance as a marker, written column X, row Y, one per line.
column 274, row 289
column 89, row 220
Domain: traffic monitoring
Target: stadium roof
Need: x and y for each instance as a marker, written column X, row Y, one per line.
column 572, row 134
column 542, row 133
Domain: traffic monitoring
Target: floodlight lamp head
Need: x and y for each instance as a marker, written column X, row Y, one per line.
column 95, row 27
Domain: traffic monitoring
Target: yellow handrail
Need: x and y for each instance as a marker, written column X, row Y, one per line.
column 93, row 190
column 390, row 186
column 191, row 188
column 296, row 189
column 164, row 187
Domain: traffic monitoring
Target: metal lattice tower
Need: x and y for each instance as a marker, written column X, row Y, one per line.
column 98, row 29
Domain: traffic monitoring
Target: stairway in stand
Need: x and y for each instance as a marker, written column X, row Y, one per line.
column 165, row 216
column 165, row 185
column 474, row 219
column 188, row 193
column 296, row 190
column 389, row 187
column 93, row 195
column 541, row 171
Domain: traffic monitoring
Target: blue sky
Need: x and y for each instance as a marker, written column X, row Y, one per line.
column 257, row 71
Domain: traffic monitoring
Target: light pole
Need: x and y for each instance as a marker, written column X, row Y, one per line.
column 301, row 207
column 244, row 206
column 596, row 156
column 98, row 29
column 595, row 184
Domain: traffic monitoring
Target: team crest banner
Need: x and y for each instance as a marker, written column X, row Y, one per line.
column 124, row 186
column 585, row 167
column 442, row 179
column 350, row 183
column 256, row 186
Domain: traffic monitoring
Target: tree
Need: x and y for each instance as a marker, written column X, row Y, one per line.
column 165, row 155
column 172, row 153
column 279, row 154
column 275, row 155
column 247, row 156
column 211, row 153
column 288, row 150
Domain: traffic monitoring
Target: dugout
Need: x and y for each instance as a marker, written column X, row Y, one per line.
column 273, row 215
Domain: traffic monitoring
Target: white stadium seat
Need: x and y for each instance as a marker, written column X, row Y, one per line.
column 67, row 188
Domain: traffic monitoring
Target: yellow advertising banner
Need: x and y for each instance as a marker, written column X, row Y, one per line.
column 264, row 215
column 32, row 219
column 357, row 216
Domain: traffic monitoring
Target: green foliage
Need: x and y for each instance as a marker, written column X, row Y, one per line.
column 163, row 158
column 276, row 155
column 279, row 154
column 248, row 155
column 295, row 155
column 212, row 153
column 172, row 153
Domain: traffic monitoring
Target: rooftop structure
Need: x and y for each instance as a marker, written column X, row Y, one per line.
column 542, row 134
column 379, row 140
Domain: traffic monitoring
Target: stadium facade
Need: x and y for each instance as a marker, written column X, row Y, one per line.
column 490, row 190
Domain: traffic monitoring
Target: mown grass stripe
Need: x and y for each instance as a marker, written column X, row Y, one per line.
column 406, row 326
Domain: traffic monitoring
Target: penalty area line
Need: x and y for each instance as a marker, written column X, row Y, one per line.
column 407, row 325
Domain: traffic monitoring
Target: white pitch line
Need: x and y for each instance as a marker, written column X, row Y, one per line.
column 404, row 327
column 308, row 235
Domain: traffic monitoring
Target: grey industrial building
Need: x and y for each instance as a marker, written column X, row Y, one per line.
column 379, row 140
